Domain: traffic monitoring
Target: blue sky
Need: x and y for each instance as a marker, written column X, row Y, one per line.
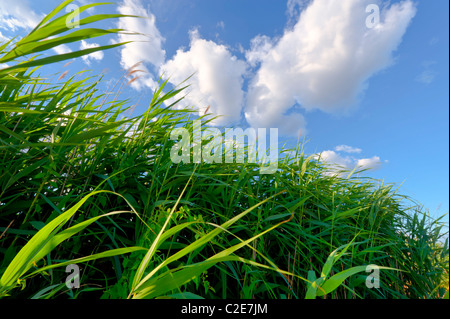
column 375, row 97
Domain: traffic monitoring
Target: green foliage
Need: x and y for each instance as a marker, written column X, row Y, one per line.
column 81, row 183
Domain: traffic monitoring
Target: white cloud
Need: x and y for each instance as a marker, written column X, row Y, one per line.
column 62, row 49
column 217, row 79
column 434, row 40
column 373, row 163
column 146, row 46
column 426, row 77
column 91, row 10
column 323, row 62
column 337, row 163
column 348, row 149
column 294, row 8
column 428, row 74
column 221, row 25
column 17, row 14
column 260, row 47
column 333, row 158
column 3, row 38
column 92, row 56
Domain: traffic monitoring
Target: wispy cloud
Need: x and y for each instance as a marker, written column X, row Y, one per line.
column 348, row 149
column 221, row 25
column 434, row 40
column 428, row 74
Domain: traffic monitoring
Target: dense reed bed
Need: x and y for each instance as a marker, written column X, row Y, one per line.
column 82, row 184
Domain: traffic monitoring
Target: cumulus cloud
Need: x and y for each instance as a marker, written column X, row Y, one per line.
column 323, row 62
column 146, row 46
column 216, row 82
column 339, row 164
column 217, row 75
column 92, row 56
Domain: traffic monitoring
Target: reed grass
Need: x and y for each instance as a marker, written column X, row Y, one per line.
column 82, row 184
